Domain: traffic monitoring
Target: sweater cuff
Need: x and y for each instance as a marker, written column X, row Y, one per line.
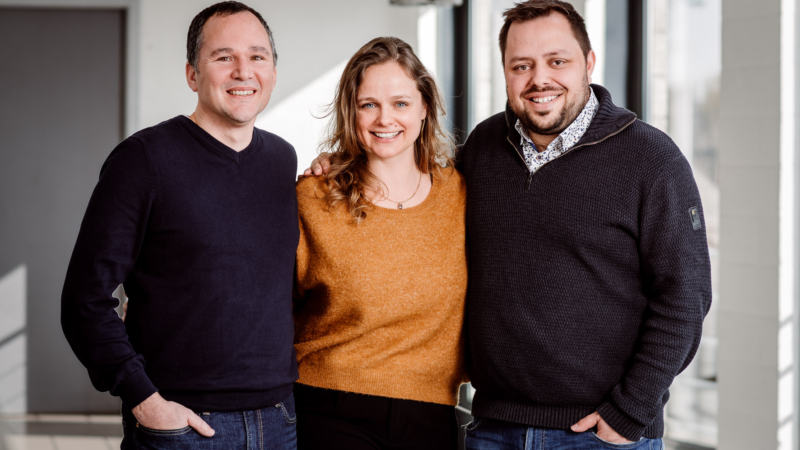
column 620, row 422
column 135, row 389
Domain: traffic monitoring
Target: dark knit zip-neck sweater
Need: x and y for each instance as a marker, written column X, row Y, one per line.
column 588, row 280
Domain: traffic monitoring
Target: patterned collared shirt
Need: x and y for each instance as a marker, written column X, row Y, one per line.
column 561, row 144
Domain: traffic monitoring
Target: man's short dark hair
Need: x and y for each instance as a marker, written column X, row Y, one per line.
column 533, row 9
column 195, row 40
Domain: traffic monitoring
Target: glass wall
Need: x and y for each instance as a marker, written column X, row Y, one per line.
column 682, row 85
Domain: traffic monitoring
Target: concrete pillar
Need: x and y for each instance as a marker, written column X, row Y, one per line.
column 757, row 359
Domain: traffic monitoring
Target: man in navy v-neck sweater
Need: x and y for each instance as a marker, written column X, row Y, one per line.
column 197, row 217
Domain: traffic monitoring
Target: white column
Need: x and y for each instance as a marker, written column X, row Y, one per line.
column 758, row 277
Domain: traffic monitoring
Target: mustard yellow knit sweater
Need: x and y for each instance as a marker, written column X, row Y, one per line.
column 381, row 304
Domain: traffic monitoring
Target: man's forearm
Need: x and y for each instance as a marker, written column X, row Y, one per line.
column 98, row 337
column 638, row 398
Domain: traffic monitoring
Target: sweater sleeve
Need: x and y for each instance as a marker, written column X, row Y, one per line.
column 306, row 200
column 107, row 247
column 676, row 277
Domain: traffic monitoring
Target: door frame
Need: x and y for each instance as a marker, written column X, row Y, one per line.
column 132, row 10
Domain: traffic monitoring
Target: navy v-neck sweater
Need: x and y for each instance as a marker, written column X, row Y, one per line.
column 204, row 239
column 588, row 279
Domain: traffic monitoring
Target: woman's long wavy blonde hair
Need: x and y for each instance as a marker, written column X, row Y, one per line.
column 350, row 177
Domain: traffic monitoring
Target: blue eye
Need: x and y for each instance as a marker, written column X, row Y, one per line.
column 368, row 105
column 401, row 104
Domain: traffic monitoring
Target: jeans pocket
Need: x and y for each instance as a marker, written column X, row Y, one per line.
column 176, row 432
column 607, row 444
column 472, row 426
column 288, row 408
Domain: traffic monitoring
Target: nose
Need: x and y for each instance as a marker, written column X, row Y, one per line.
column 242, row 70
column 540, row 76
column 385, row 117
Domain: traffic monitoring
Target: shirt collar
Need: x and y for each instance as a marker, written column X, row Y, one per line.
column 573, row 133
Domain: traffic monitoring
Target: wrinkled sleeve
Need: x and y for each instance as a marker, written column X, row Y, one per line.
column 303, row 260
column 108, row 244
column 677, row 281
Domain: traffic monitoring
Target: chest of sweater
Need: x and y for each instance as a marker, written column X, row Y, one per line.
column 398, row 268
column 390, row 265
column 207, row 205
column 582, row 209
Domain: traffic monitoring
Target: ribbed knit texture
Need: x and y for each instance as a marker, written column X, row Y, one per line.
column 204, row 239
column 588, row 284
column 382, row 303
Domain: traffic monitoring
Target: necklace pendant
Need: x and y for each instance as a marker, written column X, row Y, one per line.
column 399, row 206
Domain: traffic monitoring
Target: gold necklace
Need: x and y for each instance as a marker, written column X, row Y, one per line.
column 400, row 204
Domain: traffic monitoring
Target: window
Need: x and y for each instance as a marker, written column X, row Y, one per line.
column 683, row 62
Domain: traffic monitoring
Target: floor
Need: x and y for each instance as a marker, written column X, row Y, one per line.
column 60, row 432
column 92, row 432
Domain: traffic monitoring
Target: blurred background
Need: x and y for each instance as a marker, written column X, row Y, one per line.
column 720, row 78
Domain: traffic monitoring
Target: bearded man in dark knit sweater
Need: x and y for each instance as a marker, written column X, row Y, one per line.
column 197, row 217
column 589, row 274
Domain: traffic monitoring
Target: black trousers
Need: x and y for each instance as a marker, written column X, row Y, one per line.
column 336, row 420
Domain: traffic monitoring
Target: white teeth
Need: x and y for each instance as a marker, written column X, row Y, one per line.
column 242, row 92
column 387, row 135
column 544, row 99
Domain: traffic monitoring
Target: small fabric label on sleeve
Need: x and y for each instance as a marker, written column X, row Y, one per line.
column 694, row 216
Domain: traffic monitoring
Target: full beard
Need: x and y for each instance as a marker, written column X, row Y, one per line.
column 568, row 113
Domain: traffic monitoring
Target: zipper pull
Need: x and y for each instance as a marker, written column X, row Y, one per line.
column 528, row 183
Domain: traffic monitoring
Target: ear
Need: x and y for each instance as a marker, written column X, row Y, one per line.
column 191, row 77
column 591, row 60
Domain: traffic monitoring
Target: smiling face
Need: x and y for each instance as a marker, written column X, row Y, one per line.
column 390, row 112
column 547, row 75
column 235, row 71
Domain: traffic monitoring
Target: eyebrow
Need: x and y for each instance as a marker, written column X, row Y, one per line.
column 257, row 48
column 254, row 48
column 396, row 97
column 221, row 50
column 546, row 55
column 557, row 52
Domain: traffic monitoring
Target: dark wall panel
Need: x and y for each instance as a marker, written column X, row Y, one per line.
column 60, row 115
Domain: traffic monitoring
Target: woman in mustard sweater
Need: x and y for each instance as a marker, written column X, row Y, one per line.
column 381, row 266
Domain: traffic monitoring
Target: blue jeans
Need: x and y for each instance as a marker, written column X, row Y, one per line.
column 488, row 434
column 268, row 428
